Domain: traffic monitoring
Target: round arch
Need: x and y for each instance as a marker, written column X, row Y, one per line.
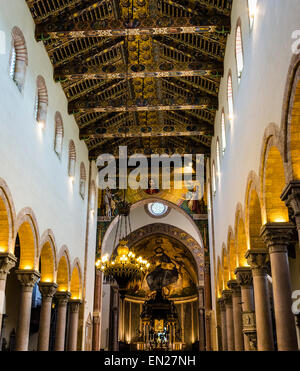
column 225, row 266
column 141, row 203
column 254, row 220
column 76, row 281
column 27, row 230
column 231, row 253
column 220, row 283
column 290, row 124
column 176, row 233
column 253, row 212
column 48, row 257
column 63, row 270
column 7, row 218
column 240, row 236
column 272, row 177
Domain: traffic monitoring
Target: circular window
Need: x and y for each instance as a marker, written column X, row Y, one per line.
column 157, row 208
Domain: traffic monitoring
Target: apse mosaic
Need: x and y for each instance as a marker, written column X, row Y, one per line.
column 173, row 268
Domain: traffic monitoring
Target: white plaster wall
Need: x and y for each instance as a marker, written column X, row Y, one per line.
column 90, row 272
column 35, row 175
column 258, row 101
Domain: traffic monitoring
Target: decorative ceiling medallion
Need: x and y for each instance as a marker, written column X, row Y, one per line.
column 137, row 68
column 191, row 128
column 168, row 128
column 146, row 129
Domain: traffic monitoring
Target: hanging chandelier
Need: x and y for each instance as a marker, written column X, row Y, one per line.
column 123, row 265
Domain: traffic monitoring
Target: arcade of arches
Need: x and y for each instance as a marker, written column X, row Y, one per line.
column 210, row 265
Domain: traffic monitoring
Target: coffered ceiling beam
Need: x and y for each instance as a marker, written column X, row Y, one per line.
column 147, row 26
column 133, row 134
column 93, row 155
column 147, row 131
column 121, row 71
column 166, row 104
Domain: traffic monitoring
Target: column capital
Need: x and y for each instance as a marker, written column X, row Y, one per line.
column 47, row 289
column 74, row 305
column 27, row 278
column 244, row 277
column 235, row 288
column 291, row 197
column 96, row 319
column 258, row 260
column 227, row 297
column 278, row 236
column 7, row 262
column 221, row 304
column 62, row 297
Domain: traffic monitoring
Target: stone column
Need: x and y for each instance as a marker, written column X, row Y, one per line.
column 278, row 236
column 237, row 315
column 208, row 306
column 227, row 296
column 258, row 260
column 291, row 197
column 223, row 323
column 115, row 308
column 27, row 280
column 244, row 279
column 298, row 326
column 60, row 332
column 121, row 317
column 97, row 311
column 47, row 290
column 7, row 262
column 201, row 315
column 73, row 325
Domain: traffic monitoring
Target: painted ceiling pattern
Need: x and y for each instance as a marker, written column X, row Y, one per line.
column 141, row 73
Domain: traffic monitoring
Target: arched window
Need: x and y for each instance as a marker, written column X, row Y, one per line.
column 41, row 102
column 59, row 134
column 239, row 52
column 82, row 180
column 252, row 7
column 72, row 160
column 213, row 179
column 230, row 97
column 223, row 130
column 18, row 58
column 218, row 158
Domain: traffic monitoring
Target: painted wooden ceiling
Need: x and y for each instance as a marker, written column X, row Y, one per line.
column 141, row 73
